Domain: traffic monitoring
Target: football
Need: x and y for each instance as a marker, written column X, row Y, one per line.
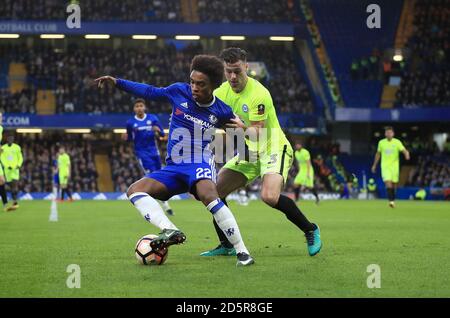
column 146, row 255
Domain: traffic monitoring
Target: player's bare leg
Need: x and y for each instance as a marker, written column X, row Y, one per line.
column 143, row 195
column 300, row 188
column 65, row 190
column 164, row 203
column 207, row 193
column 390, row 189
column 227, row 181
column 297, row 189
column 13, row 185
column 313, row 190
column 3, row 193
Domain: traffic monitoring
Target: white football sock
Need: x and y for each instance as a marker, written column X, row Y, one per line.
column 227, row 223
column 55, row 192
column 151, row 210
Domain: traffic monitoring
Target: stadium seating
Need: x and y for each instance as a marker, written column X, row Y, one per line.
column 124, row 166
column 21, row 102
column 40, row 152
column 349, row 39
column 154, row 10
column 247, row 11
column 70, row 76
column 426, row 74
column 99, row 10
column 431, row 171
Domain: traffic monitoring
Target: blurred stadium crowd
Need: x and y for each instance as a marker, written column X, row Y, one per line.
column 426, row 74
column 245, row 11
column 39, row 162
column 431, row 167
column 69, row 71
column 71, row 75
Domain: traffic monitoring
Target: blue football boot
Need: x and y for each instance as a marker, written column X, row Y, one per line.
column 220, row 251
column 313, row 241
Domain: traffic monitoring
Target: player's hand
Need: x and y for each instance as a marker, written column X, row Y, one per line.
column 105, row 79
column 236, row 122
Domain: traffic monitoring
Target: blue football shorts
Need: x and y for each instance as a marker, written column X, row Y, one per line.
column 181, row 178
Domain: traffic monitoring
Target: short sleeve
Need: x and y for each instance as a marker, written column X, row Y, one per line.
column 307, row 156
column 400, row 145
column 379, row 147
column 260, row 107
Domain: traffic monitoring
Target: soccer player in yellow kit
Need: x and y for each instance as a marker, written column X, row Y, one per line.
column 388, row 150
column 2, row 176
column 253, row 104
column 12, row 160
column 305, row 176
column 64, row 172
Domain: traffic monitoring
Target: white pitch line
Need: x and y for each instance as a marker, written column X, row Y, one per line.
column 53, row 212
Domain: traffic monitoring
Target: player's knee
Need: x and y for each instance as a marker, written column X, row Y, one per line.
column 206, row 198
column 270, row 197
column 131, row 189
column 222, row 194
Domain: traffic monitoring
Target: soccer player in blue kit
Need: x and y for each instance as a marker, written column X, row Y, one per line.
column 194, row 108
column 142, row 130
column 56, row 185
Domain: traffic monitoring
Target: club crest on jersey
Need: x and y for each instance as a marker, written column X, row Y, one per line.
column 212, row 119
column 261, row 109
column 245, row 108
column 135, row 125
column 149, row 122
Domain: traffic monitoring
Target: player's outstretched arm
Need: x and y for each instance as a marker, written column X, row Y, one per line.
column 406, row 154
column 19, row 158
column 141, row 90
column 308, row 168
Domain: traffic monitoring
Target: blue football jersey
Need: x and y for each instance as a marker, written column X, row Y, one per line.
column 189, row 120
column 141, row 132
column 55, row 173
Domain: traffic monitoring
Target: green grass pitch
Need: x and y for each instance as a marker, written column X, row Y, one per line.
column 411, row 244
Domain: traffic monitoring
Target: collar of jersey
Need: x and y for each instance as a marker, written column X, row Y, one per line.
column 137, row 118
column 207, row 105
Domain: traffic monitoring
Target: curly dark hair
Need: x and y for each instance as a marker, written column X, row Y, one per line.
column 233, row 54
column 209, row 65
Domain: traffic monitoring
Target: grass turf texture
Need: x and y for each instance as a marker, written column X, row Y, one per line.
column 410, row 243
